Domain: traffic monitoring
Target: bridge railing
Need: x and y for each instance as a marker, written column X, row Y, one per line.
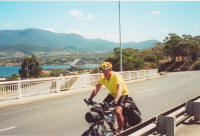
column 128, row 75
column 165, row 123
column 24, row 88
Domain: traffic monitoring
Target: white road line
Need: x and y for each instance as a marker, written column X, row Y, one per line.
column 146, row 90
column 183, row 79
column 7, row 128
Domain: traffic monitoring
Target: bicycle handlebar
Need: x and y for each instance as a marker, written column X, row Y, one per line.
column 92, row 103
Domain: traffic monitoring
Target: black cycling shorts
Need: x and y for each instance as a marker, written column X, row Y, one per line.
column 121, row 102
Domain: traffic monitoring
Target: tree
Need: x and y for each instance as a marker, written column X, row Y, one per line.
column 189, row 47
column 197, row 40
column 151, row 58
column 130, row 59
column 24, row 71
column 34, row 67
column 186, row 45
column 195, row 47
column 171, row 45
column 30, row 67
column 158, row 51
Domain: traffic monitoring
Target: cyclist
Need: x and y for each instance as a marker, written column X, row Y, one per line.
column 118, row 92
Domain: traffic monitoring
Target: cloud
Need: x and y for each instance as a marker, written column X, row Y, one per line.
column 108, row 36
column 7, row 25
column 76, row 13
column 55, row 23
column 89, row 17
column 164, row 30
column 74, row 31
column 48, row 29
column 155, row 12
column 79, row 15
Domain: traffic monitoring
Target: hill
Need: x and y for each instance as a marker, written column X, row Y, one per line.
column 42, row 42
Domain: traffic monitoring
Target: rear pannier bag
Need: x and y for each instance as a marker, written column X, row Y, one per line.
column 132, row 112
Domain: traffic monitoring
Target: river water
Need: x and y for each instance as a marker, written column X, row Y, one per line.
column 9, row 70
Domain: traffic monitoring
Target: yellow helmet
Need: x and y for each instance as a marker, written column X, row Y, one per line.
column 106, row 65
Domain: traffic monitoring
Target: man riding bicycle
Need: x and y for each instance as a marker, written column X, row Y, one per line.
column 118, row 92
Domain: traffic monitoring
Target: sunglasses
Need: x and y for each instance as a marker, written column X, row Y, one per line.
column 105, row 69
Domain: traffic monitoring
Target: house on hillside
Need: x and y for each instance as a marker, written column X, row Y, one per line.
column 77, row 64
column 2, row 79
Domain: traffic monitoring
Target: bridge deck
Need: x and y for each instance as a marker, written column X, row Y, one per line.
column 188, row 128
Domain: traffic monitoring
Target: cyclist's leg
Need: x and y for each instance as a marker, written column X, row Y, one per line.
column 122, row 100
column 108, row 98
column 119, row 108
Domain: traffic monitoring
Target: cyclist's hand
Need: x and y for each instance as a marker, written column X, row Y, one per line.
column 89, row 101
column 113, row 103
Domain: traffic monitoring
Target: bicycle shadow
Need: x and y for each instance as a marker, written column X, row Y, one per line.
column 191, row 122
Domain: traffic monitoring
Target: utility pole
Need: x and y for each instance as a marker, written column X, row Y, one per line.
column 27, row 71
column 188, row 57
column 120, row 40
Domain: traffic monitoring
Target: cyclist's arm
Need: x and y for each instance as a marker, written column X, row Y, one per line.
column 119, row 93
column 95, row 91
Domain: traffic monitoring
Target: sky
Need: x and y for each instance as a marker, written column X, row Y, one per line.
column 139, row 21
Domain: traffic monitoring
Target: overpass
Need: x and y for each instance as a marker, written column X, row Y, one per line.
column 146, row 94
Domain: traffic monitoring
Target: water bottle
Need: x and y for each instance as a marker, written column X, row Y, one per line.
column 109, row 117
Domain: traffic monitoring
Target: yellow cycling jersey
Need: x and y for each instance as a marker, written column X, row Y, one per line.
column 115, row 79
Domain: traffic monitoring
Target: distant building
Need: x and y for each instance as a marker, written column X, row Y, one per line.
column 46, row 71
column 77, row 64
column 2, row 79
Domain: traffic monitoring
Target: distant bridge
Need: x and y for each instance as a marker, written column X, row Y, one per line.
column 77, row 64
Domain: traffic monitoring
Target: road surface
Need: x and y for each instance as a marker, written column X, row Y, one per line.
column 65, row 116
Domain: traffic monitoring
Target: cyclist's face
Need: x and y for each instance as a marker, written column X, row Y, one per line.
column 106, row 72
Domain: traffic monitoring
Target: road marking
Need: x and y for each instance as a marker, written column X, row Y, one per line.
column 183, row 79
column 7, row 128
column 146, row 90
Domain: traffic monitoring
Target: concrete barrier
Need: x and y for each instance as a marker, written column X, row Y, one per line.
column 166, row 125
column 193, row 109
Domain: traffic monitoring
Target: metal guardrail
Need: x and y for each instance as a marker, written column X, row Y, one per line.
column 24, row 88
column 150, row 126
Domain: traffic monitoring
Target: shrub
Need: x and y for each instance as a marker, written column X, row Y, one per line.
column 151, row 58
column 13, row 77
column 165, row 66
column 147, row 64
column 56, row 72
column 197, row 66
